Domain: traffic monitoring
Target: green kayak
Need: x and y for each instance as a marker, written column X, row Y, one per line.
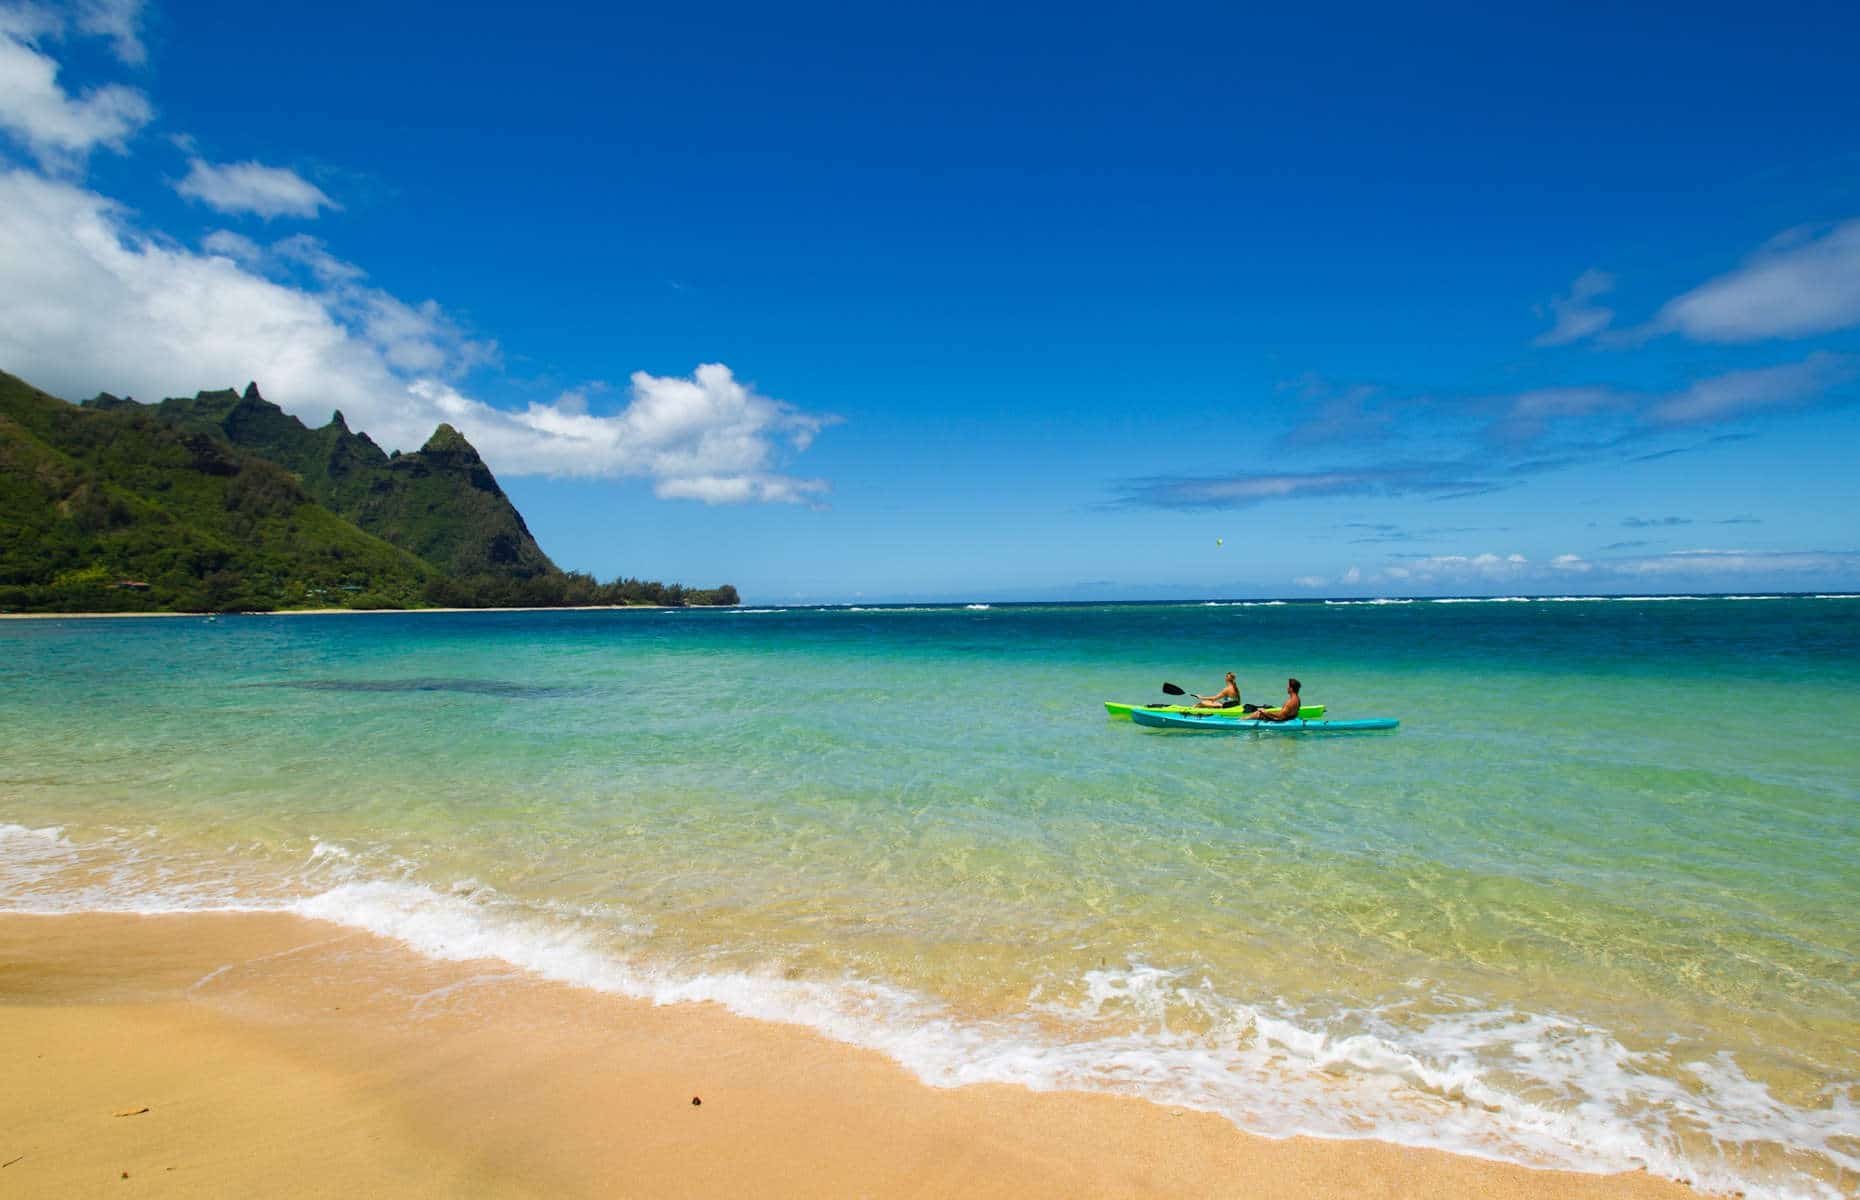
column 1121, row 712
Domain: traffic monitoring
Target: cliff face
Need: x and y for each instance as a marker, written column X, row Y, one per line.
column 441, row 503
column 108, row 506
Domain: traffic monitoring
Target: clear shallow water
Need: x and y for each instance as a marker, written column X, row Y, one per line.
column 1583, row 909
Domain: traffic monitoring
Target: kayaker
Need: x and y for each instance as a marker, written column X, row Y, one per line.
column 1285, row 712
column 1227, row 697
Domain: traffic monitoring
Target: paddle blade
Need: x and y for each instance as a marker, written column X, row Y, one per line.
column 1169, row 689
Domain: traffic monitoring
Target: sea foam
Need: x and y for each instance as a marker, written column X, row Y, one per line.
column 1534, row 1088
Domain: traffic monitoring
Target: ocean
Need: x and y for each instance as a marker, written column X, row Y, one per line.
column 1596, row 903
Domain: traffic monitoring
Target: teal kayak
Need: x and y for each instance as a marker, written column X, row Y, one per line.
column 1122, row 711
column 1169, row 720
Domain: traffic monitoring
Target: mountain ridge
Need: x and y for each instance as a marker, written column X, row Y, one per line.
column 224, row 501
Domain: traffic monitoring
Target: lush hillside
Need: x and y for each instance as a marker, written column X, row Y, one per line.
column 111, row 508
column 441, row 503
column 225, row 502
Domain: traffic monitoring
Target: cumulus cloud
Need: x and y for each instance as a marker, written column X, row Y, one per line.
column 252, row 187
column 1575, row 313
column 709, row 437
column 1796, row 286
column 1462, row 568
column 92, row 305
column 57, row 128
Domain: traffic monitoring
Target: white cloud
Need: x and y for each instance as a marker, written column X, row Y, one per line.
column 1576, row 317
column 708, row 437
column 118, row 20
column 713, row 489
column 1737, row 393
column 1708, row 563
column 1528, row 414
column 251, row 187
column 57, row 128
column 1310, row 581
column 1679, row 570
column 29, row 22
column 1797, row 286
column 92, row 305
column 306, row 251
column 236, row 246
column 1461, row 568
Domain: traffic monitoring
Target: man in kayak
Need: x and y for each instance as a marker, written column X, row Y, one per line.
column 1227, row 697
column 1285, row 712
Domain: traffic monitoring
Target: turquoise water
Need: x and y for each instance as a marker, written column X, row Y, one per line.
column 1595, row 904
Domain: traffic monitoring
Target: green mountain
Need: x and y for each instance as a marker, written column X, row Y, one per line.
column 225, row 502
column 442, row 503
column 111, row 508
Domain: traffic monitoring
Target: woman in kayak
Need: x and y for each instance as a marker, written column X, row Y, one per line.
column 1227, row 697
column 1285, row 712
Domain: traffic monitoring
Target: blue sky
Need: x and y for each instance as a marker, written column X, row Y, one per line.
column 990, row 302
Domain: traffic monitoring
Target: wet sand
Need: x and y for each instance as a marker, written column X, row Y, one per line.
column 259, row 1054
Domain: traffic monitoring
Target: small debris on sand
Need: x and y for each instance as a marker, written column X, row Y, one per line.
column 130, row 1112
column 695, row 1102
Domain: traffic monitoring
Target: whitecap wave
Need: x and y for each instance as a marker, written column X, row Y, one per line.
column 1568, row 1094
column 1540, row 1089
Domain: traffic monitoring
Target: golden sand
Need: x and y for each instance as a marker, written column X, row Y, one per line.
column 263, row 1055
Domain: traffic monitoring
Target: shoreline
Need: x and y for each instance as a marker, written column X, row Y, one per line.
column 277, row 1054
column 1313, row 601
column 327, row 612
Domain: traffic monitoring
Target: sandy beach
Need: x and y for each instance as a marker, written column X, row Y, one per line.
column 243, row 1054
